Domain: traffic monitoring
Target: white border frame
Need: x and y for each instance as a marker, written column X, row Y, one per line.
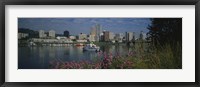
column 186, row 74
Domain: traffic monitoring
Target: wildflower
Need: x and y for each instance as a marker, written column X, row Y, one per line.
column 122, row 66
column 57, row 65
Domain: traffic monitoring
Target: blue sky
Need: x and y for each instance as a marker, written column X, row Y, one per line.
column 83, row 25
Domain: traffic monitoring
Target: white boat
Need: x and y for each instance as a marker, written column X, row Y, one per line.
column 91, row 47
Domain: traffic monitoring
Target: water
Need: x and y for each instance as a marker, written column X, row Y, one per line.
column 40, row 57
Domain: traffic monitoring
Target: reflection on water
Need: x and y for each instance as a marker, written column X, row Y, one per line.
column 40, row 57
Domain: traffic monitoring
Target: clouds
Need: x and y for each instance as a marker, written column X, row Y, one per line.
column 112, row 20
column 78, row 25
column 133, row 21
column 79, row 20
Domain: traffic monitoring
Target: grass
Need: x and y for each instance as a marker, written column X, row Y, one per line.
column 142, row 56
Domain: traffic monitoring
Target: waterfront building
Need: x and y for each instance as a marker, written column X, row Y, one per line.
column 119, row 37
column 142, row 35
column 44, row 40
column 98, row 31
column 106, row 36
column 72, row 37
column 93, row 31
column 134, row 36
column 129, row 36
column 111, row 36
column 91, row 38
column 66, row 33
column 64, row 40
column 22, row 35
column 52, row 34
column 116, row 37
column 42, row 34
column 82, row 36
column 61, row 37
column 93, row 34
column 101, row 36
column 81, row 41
column 57, row 40
column 46, row 34
column 67, row 40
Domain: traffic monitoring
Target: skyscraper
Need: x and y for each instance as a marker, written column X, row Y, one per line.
column 66, row 33
column 129, row 36
column 106, row 36
column 52, row 34
column 93, row 31
column 98, row 32
column 111, row 36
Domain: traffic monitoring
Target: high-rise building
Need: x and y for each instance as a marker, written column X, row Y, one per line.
column 66, row 33
column 129, row 36
column 106, row 36
column 111, row 36
column 98, row 32
column 142, row 36
column 91, row 38
column 101, row 36
column 42, row 34
column 93, row 31
column 52, row 34
column 119, row 37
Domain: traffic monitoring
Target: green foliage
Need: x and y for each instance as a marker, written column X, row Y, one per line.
column 145, row 57
column 164, row 57
column 165, row 30
column 31, row 33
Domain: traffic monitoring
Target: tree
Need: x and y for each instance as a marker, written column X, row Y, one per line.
column 165, row 31
column 31, row 33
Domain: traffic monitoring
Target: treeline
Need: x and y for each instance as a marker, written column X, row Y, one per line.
column 165, row 35
column 165, row 31
column 31, row 33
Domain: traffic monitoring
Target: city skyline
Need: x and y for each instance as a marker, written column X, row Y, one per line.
column 76, row 26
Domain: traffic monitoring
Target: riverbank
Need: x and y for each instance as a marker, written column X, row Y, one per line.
column 142, row 56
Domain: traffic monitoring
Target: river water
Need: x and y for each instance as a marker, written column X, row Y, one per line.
column 40, row 57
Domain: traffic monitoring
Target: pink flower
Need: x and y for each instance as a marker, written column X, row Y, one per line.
column 57, row 65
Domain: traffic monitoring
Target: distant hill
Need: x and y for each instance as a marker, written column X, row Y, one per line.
column 32, row 33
